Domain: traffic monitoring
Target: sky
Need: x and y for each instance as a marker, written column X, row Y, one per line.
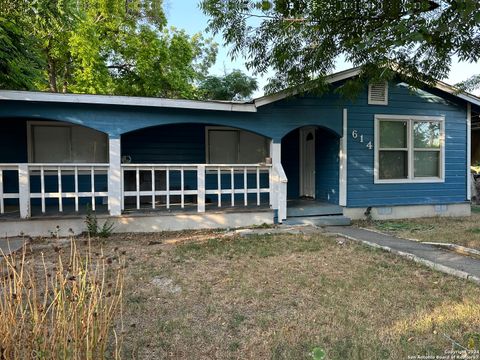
column 185, row 14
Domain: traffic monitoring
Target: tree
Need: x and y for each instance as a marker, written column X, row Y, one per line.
column 233, row 86
column 112, row 47
column 20, row 63
column 302, row 40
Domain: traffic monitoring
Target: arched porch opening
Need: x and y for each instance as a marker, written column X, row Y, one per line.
column 169, row 167
column 50, row 167
column 310, row 158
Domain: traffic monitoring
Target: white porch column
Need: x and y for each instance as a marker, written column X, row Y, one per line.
column 469, row 152
column 278, row 182
column 342, row 186
column 201, row 188
column 24, row 190
column 115, row 177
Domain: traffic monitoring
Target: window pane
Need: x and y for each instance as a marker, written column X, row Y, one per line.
column 223, row 146
column 393, row 134
column 253, row 148
column 426, row 134
column 393, row 165
column 427, row 164
column 51, row 144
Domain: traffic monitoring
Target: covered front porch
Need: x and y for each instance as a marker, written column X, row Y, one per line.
column 170, row 164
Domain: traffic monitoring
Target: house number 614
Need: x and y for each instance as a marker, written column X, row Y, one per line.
column 356, row 135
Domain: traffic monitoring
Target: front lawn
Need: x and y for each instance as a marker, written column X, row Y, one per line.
column 202, row 295
column 455, row 230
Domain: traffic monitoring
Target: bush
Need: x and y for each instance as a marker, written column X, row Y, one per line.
column 64, row 312
column 93, row 229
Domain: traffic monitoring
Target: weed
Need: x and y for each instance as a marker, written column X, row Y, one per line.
column 93, row 229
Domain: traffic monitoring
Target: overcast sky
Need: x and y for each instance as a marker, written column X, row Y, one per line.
column 185, row 14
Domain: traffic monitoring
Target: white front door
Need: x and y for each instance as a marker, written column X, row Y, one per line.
column 307, row 162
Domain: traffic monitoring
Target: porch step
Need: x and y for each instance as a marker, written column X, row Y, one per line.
column 313, row 210
column 330, row 220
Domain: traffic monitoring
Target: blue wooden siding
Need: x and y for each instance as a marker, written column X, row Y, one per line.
column 327, row 166
column 291, row 163
column 275, row 121
column 363, row 192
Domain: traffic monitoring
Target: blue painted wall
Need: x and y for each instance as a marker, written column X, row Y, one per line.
column 327, row 166
column 363, row 192
column 275, row 121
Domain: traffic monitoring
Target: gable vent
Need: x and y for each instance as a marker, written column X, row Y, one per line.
column 378, row 93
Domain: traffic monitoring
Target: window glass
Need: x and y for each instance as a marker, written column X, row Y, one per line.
column 67, row 144
column 223, row 146
column 427, row 164
column 393, row 134
column 426, row 134
column 236, row 147
column 393, row 165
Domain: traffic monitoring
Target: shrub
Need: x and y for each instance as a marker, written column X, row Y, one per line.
column 93, row 229
column 62, row 312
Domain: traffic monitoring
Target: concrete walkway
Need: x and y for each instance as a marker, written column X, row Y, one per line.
column 430, row 255
column 11, row 245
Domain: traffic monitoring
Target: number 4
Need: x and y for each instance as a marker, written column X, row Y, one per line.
column 369, row 145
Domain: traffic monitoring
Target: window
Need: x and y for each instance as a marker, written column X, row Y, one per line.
column 409, row 149
column 231, row 146
column 378, row 93
column 55, row 142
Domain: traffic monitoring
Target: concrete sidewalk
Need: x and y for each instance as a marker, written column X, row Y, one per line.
column 11, row 245
column 430, row 255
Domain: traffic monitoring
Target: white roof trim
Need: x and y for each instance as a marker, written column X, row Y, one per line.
column 342, row 75
column 265, row 100
column 232, row 106
column 126, row 100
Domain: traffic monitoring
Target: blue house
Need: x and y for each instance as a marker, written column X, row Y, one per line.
column 155, row 164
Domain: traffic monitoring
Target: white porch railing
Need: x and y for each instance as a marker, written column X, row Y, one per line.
column 201, row 172
column 232, row 184
column 58, row 171
column 4, row 168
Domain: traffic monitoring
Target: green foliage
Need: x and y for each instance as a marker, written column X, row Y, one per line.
column 94, row 229
column 318, row 353
column 233, row 86
column 101, row 47
column 302, row 40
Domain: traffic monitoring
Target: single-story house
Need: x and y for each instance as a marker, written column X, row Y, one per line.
column 156, row 164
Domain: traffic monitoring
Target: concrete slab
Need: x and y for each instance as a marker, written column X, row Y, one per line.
column 10, row 245
column 306, row 207
column 330, row 220
column 430, row 255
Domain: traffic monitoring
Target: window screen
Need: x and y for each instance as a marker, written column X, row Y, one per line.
column 67, row 144
column 236, row 147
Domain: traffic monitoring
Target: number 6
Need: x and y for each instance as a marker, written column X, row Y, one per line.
column 354, row 134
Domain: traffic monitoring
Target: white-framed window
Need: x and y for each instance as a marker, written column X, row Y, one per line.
column 378, row 93
column 409, row 149
column 57, row 142
column 226, row 145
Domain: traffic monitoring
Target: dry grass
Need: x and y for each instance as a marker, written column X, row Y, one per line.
column 204, row 295
column 462, row 230
column 61, row 308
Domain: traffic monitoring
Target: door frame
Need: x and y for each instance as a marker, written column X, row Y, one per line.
column 302, row 133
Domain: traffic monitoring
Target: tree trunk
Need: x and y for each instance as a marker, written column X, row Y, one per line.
column 52, row 71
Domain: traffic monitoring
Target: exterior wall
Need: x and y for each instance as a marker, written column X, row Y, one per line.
column 326, row 164
column 275, row 121
column 361, row 190
column 327, row 167
column 409, row 211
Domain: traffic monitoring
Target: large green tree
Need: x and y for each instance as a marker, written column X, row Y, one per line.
column 232, row 86
column 113, row 47
column 301, row 40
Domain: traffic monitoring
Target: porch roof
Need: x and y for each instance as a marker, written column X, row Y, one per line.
column 216, row 105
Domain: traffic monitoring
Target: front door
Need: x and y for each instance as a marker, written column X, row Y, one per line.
column 307, row 162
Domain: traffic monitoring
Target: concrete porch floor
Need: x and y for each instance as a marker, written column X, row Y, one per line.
column 311, row 207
